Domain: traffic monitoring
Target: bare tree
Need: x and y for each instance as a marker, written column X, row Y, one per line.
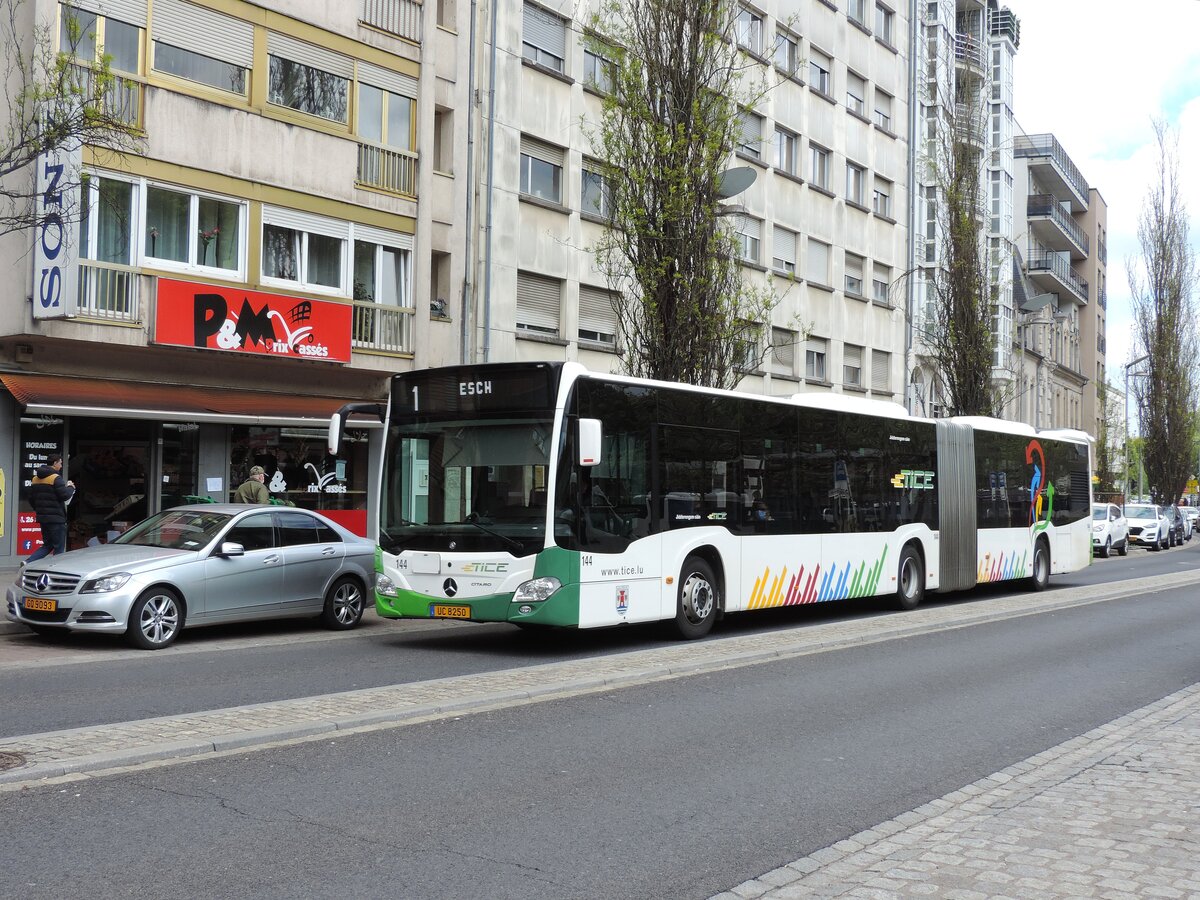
column 55, row 100
column 671, row 119
column 1162, row 283
column 1108, row 433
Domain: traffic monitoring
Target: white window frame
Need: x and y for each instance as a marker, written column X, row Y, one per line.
column 820, row 78
column 880, row 286
column 787, row 45
column 749, row 139
column 856, row 10
column 881, row 201
column 191, row 266
column 856, row 175
column 749, row 237
column 883, row 110
column 533, row 150
column 816, row 359
column 884, row 23
column 856, row 93
column 599, row 72
column 605, row 209
column 787, row 144
column 787, row 240
column 307, row 224
column 852, row 373
column 533, row 46
column 818, row 158
column 591, row 313
column 852, row 274
column 749, row 30
column 783, row 351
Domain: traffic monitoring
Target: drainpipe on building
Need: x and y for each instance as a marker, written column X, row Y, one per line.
column 491, row 167
column 910, row 293
column 464, row 328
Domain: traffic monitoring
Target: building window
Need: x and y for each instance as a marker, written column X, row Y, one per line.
column 881, row 203
column 384, row 117
column 541, row 170
column 854, row 274
column 783, row 244
column 749, row 139
column 783, row 351
column 595, row 192
column 881, row 284
column 819, row 66
column 819, row 165
column 538, row 304
column 855, row 175
column 883, row 23
column 852, row 365
column 381, row 273
column 785, row 150
column 749, row 30
column 544, row 37
column 86, row 37
column 199, row 68
column 856, row 94
column 304, row 250
column 814, row 358
column 597, row 316
column 857, row 11
column 787, row 52
column 883, row 110
column 599, row 71
column 192, row 230
column 881, row 371
column 106, row 220
column 817, row 264
column 308, row 89
column 748, row 234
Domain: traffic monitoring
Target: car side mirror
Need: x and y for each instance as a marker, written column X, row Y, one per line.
column 229, row 548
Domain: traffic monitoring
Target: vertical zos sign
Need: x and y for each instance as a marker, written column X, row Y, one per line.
column 56, row 232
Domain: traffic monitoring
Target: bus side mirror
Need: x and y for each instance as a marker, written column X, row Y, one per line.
column 337, row 422
column 590, row 436
column 335, row 433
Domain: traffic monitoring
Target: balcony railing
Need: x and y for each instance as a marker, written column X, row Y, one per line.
column 388, row 329
column 1103, row 298
column 1034, row 145
column 1046, row 205
column 108, row 291
column 1101, row 343
column 391, row 170
column 968, row 50
column 400, row 17
column 1042, row 261
column 122, row 95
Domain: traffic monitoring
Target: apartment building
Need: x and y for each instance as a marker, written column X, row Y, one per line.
column 287, row 233
column 824, row 222
column 1059, row 357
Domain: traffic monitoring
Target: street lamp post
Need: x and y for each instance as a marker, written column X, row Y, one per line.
column 1125, row 450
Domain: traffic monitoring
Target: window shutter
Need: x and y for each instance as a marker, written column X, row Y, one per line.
column 785, row 245
column 854, row 266
column 310, row 55
column 538, row 301
column 387, row 238
column 541, row 150
column 750, row 227
column 852, row 356
column 596, row 311
column 784, row 349
column 881, row 363
column 396, row 82
column 544, row 30
column 131, row 12
column 203, row 31
column 301, row 221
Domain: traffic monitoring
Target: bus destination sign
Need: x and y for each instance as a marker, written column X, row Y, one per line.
column 464, row 389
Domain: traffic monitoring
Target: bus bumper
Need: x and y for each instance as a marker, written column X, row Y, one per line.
column 561, row 608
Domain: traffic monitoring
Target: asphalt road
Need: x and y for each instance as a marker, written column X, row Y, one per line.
column 677, row 789
column 96, row 679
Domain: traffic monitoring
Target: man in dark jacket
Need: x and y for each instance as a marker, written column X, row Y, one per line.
column 49, row 495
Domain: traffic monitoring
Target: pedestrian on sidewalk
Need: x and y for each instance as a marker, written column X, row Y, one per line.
column 253, row 490
column 49, row 495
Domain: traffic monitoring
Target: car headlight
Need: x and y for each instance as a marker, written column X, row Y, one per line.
column 536, row 590
column 106, row 584
column 1097, row 528
column 385, row 585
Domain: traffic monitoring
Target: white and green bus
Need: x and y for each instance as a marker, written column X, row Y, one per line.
column 545, row 494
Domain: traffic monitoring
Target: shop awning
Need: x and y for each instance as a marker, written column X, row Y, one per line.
column 64, row 395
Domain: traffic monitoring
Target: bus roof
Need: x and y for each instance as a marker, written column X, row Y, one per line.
column 850, row 403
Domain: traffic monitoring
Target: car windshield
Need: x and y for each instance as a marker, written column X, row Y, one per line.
column 1099, row 513
column 1141, row 512
column 176, row 529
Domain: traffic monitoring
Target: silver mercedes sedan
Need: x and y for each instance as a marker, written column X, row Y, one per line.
column 200, row 565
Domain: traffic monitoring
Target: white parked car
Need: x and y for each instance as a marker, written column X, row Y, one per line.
column 1110, row 530
column 1148, row 525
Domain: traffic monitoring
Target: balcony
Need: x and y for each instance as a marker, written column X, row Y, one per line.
column 122, row 95
column 387, row 169
column 399, row 17
column 1002, row 23
column 968, row 52
column 108, row 291
column 1054, row 228
column 1053, row 274
column 969, row 124
column 385, row 329
column 1054, row 168
column 1102, row 299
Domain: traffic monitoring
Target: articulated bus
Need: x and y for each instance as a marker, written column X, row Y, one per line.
column 546, row 494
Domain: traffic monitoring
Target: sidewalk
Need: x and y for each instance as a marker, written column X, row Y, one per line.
column 1112, row 814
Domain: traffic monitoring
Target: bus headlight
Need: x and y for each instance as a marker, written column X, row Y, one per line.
column 385, row 585
column 536, row 590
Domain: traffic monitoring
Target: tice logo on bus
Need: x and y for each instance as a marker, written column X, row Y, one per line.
column 913, row 478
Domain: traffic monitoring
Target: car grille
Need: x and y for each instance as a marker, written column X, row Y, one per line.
column 55, row 583
column 36, row 615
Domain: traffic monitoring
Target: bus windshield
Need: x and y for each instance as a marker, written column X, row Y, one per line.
column 466, row 485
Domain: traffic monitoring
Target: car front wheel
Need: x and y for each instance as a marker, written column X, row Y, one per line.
column 343, row 605
column 1123, row 550
column 155, row 619
column 1106, row 550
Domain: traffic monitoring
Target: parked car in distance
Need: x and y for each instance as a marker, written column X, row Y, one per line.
column 1189, row 524
column 200, row 565
column 1148, row 525
column 1110, row 530
column 1175, row 521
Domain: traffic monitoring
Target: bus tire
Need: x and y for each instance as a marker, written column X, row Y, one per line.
column 910, row 580
column 1041, row 566
column 697, row 599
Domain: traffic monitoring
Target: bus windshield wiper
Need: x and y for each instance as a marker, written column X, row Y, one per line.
column 473, row 519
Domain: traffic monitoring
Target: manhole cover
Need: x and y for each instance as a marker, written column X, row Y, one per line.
column 11, row 760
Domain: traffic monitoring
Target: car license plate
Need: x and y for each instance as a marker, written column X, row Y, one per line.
column 440, row 611
column 41, row 605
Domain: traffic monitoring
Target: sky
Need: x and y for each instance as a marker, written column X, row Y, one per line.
column 1094, row 73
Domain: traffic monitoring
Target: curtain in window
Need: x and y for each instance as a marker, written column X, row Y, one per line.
column 115, row 221
column 218, row 234
column 324, row 261
column 167, row 214
column 281, row 253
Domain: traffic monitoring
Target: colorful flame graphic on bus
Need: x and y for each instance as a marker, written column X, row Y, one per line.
column 999, row 570
column 816, row 588
column 1038, row 486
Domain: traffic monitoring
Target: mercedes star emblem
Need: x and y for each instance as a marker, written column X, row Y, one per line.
column 449, row 587
column 43, row 582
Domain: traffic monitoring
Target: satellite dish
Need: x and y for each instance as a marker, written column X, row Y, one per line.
column 734, row 181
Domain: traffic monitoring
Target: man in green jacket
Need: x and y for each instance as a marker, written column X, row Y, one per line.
column 253, row 490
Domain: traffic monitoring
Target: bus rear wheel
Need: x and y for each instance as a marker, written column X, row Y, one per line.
column 1041, row 566
column 699, row 594
column 910, row 580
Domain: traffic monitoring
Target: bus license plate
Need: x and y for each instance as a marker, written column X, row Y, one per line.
column 41, row 605
column 451, row 612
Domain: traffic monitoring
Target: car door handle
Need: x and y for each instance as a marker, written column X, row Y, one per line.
column 270, row 560
column 328, row 551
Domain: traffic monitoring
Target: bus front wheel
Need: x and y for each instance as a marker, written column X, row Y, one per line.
column 699, row 593
column 1041, row 566
column 910, row 580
